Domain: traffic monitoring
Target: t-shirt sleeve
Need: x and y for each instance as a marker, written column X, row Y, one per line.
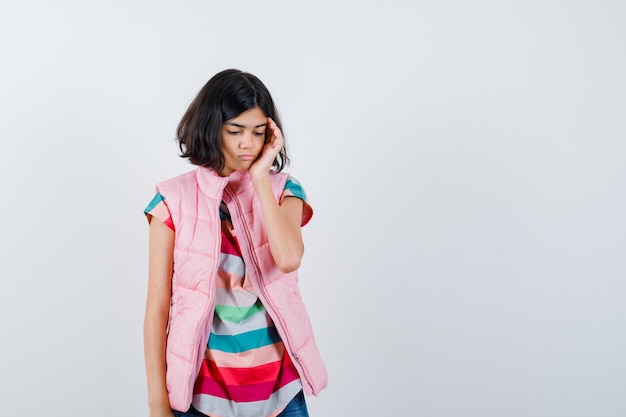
column 293, row 188
column 158, row 209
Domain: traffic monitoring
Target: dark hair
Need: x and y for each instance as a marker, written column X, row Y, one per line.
column 225, row 96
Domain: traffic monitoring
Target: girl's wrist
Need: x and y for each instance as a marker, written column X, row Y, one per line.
column 161, row 410
column 161, row 403
column 259, row 179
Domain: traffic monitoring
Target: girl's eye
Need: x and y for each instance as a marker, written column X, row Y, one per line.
column 233, row 133
column 259, row 134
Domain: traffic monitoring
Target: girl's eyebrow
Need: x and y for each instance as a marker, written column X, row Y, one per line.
column 242, row 126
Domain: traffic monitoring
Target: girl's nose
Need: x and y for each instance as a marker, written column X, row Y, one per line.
column 246, row 141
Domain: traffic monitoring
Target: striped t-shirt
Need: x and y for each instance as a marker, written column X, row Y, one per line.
column 246, row 371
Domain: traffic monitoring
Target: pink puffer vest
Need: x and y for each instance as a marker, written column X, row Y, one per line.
column 193, row 200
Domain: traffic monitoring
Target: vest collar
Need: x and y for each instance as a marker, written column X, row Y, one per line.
column 212, row 184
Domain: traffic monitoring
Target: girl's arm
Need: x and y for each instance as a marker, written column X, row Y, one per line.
column 281, row 221
column 157, row 314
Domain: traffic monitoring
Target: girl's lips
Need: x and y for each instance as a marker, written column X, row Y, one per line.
column 247, row 157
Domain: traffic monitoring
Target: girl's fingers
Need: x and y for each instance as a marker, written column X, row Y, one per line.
column 276, row 137
column 274, row 127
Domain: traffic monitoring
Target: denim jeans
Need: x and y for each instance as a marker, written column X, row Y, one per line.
column 295, row 408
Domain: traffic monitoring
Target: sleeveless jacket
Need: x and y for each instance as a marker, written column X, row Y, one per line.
column 193, row 199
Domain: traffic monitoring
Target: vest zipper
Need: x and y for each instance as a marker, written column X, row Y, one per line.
column 253, row 264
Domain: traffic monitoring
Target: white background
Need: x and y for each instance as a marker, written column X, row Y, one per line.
column 465, row 161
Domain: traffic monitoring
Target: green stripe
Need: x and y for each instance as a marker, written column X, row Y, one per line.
column 244, row 341
column 238, row 314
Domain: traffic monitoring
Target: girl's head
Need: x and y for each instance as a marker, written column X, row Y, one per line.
column 224, row 97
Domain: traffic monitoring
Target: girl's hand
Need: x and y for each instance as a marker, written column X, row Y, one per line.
column 272, row 147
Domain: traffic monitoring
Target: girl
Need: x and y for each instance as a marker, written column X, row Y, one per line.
column 226, row 332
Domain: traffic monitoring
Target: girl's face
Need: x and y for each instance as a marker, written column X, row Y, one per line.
column 243, row 138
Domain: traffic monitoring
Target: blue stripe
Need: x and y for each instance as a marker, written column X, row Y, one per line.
column 224, row 216
column 244, row 341
column 295, row 188
column 156, row 200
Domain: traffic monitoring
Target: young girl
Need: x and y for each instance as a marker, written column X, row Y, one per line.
column 226, row 332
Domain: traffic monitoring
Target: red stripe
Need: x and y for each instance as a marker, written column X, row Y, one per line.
column 205, row 384
column 229, row 242
column 242, row 376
